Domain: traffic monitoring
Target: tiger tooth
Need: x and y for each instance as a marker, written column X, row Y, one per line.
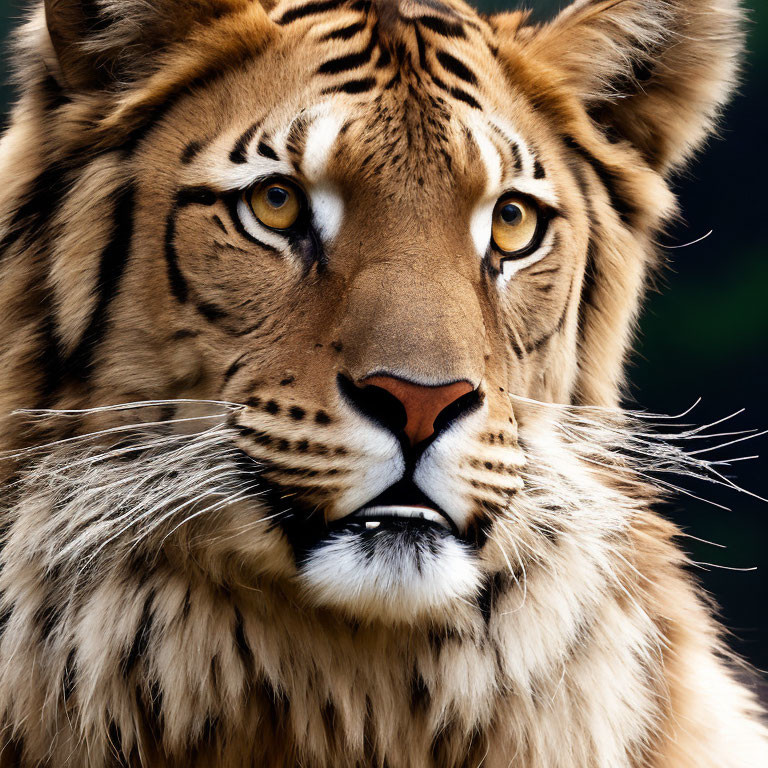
column 371, row 524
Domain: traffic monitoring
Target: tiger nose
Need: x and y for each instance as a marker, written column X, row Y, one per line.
column 424, row 404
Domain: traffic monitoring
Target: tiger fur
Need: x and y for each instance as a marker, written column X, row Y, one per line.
column 177, row 586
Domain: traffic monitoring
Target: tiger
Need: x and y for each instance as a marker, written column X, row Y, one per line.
column 315, row 319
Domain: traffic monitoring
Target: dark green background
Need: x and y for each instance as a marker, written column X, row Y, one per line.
column 704, row 333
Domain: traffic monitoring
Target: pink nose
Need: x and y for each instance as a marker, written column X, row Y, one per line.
column 422, row 404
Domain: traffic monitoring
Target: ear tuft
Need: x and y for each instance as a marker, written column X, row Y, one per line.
column 654, row 72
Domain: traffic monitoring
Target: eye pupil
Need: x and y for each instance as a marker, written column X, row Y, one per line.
column 511, row 215
column 277, row 197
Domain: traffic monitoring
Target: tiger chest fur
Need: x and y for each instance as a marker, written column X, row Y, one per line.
column 315, row 314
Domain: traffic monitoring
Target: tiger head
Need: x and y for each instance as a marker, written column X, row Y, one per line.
column 380, row 235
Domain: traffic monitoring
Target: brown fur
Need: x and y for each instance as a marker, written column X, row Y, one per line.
column 157, row 606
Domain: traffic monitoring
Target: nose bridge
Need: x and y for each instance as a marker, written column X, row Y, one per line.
column 426, row 327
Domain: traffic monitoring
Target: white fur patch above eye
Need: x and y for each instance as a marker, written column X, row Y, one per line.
column 321, row 138
column 327, row 210
column 541, row 189
column 491, row 160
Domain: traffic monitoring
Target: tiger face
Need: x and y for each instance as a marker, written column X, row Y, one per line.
column 380, row 231
column 371, row 264
column 370, row 257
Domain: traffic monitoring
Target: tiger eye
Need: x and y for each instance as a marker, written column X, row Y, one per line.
column 276, row 204
column 515, row 222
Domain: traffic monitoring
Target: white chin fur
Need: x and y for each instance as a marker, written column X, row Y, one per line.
column 378, row 576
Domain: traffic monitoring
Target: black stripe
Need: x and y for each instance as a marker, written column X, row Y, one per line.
column 353, row 86
column 456, row 67
column 267, row 151
column 114, row 259
column 195, row 196
column 49, row 358
column 609, row 178
column 235, row 367
column 241, row 642
column 392, row 82
column 309, row 9
column 344, row 33
column 441, row 83
column 443, row 27
column 238, row 154
column 350, row 61
column 588, row 287
column 191, row 151
column 47, row 192
column 538, row 170
column 385, row 57
column 462, row 95
column 422, row 49
column 211, row 312
column 591, row 268
column 141, row 638
column 184, row 197
column 296, row 136
column 185, row 333
column 516, row 157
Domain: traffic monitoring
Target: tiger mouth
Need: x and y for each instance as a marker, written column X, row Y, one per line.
column 375, row 516
column 402, row 506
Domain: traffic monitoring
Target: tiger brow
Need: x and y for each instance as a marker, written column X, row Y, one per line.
column 239, row 153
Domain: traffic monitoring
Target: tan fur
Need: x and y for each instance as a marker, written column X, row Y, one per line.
column 159, row 603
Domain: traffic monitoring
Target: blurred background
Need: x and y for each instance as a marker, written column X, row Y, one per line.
column 704, row 332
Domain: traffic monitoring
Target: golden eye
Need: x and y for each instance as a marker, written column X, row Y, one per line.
column 515, row 223
column 276, row 204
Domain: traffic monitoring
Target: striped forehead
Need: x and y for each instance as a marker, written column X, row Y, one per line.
column 305, row 145
column 509, row 161
column 361, row 57
column 371, row 71
column 367, row 46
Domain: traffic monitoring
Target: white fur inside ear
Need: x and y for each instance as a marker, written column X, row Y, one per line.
column 390, row 575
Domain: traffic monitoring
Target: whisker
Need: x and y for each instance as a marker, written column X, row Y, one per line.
column 726, row 445
column 48, row 412
column 101, row 433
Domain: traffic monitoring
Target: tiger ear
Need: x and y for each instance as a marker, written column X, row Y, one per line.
column 98, row 43
column 654, row 72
